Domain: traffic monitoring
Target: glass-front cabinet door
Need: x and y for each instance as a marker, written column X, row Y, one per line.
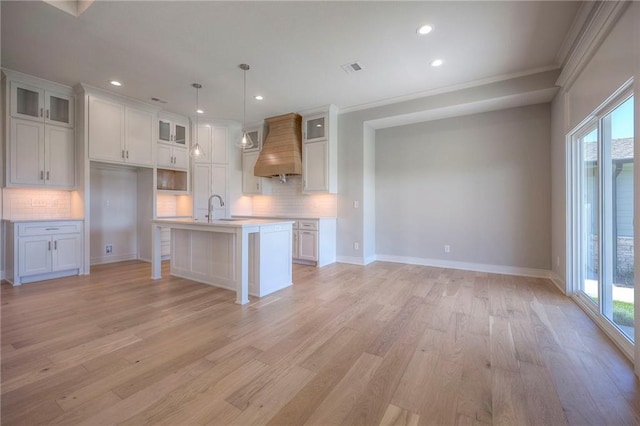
column 164, row 130
column 254, row 139
column 59, row 109
column 180, row 135
column 315, row 128
column 27, row 101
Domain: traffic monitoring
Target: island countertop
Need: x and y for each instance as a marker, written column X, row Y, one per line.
column 228, row 223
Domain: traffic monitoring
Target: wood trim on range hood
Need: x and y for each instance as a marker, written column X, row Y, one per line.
column 282, row 148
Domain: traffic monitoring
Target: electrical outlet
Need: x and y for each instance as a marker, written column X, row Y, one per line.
column 108, row 249
column 356, row 246
column 356, row 204
column 447, row 248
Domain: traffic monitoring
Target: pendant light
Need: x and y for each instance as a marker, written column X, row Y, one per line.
column 196, row 150
column 245, row 140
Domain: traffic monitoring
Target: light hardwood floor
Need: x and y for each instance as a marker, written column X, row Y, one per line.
column 382, row 344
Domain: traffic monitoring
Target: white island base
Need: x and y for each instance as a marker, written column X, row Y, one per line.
column 248, row 256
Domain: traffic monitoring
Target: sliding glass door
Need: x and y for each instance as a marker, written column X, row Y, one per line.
column 603, row 213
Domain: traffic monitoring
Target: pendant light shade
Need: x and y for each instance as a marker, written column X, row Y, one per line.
column 245, row 140
column 196, row 150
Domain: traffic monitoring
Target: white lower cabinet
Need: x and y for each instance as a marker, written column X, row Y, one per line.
column 38, row 251
column 308, row 245
column 313, row 241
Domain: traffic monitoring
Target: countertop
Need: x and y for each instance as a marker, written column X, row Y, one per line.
column 280, row 216
column 40, row 220
column 223, row 223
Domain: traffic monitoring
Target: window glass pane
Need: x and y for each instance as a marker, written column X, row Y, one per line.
column 588, row 146
column 617, row 132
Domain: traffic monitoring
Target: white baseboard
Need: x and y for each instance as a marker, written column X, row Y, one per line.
column 466, row 266
column 351, row 260
column 112, row 259
column 370, row 259
column 558, row 281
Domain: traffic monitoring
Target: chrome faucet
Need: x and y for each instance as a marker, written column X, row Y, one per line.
column 210, row 206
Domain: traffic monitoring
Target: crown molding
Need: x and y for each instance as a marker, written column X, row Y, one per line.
column 600, row 20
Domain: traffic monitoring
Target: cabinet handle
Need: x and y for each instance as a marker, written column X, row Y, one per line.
column 127, row 153
column 51, row 229
column 41, row 112
column 47, row 175
column 307, row 233
column 47, row 113
column 49, row 245
column 123, row 153
column 55, row 245
column 258, row 185
column 41, row 175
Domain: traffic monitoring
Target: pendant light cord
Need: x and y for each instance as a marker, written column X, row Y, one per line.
column 244, row 103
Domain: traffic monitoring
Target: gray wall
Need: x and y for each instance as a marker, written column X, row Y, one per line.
column 354, row 152
column 479, row 183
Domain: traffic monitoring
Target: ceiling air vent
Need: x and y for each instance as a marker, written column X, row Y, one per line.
column 160, row 101
column 352, row 67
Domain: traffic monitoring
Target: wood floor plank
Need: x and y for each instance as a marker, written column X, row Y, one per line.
column 383, row 344
column 396, row 416
column 338, row 403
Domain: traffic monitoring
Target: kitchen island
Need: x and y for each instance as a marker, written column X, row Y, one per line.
column 250, row 256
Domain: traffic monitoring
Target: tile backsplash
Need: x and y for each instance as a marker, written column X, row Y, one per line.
column 288, row 199
column 166, row 205
column 20, row 203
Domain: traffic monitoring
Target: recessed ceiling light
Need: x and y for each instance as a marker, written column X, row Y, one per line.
column 258, row 97
column 424, row 29
column 199, row 111
column 437, row 62
column 115, row 83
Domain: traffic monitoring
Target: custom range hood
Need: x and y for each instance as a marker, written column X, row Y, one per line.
column 281, row 149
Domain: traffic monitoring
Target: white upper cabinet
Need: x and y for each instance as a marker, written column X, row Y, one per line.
column 220, row 145
column 35, row 103
column 138, row 140
column 60, row 157
column 106, row 130
column 315, row 165
column 40, row 148
column 120, row 133
column 320, row 151
column 205, row 140
column 172, row 129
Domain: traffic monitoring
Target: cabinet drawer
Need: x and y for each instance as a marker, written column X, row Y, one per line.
column 308, row 225
column 49, row 228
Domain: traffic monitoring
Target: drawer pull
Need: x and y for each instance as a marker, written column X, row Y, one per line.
column 52, row 229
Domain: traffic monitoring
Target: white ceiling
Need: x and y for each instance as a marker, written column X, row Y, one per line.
column 295, row 49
